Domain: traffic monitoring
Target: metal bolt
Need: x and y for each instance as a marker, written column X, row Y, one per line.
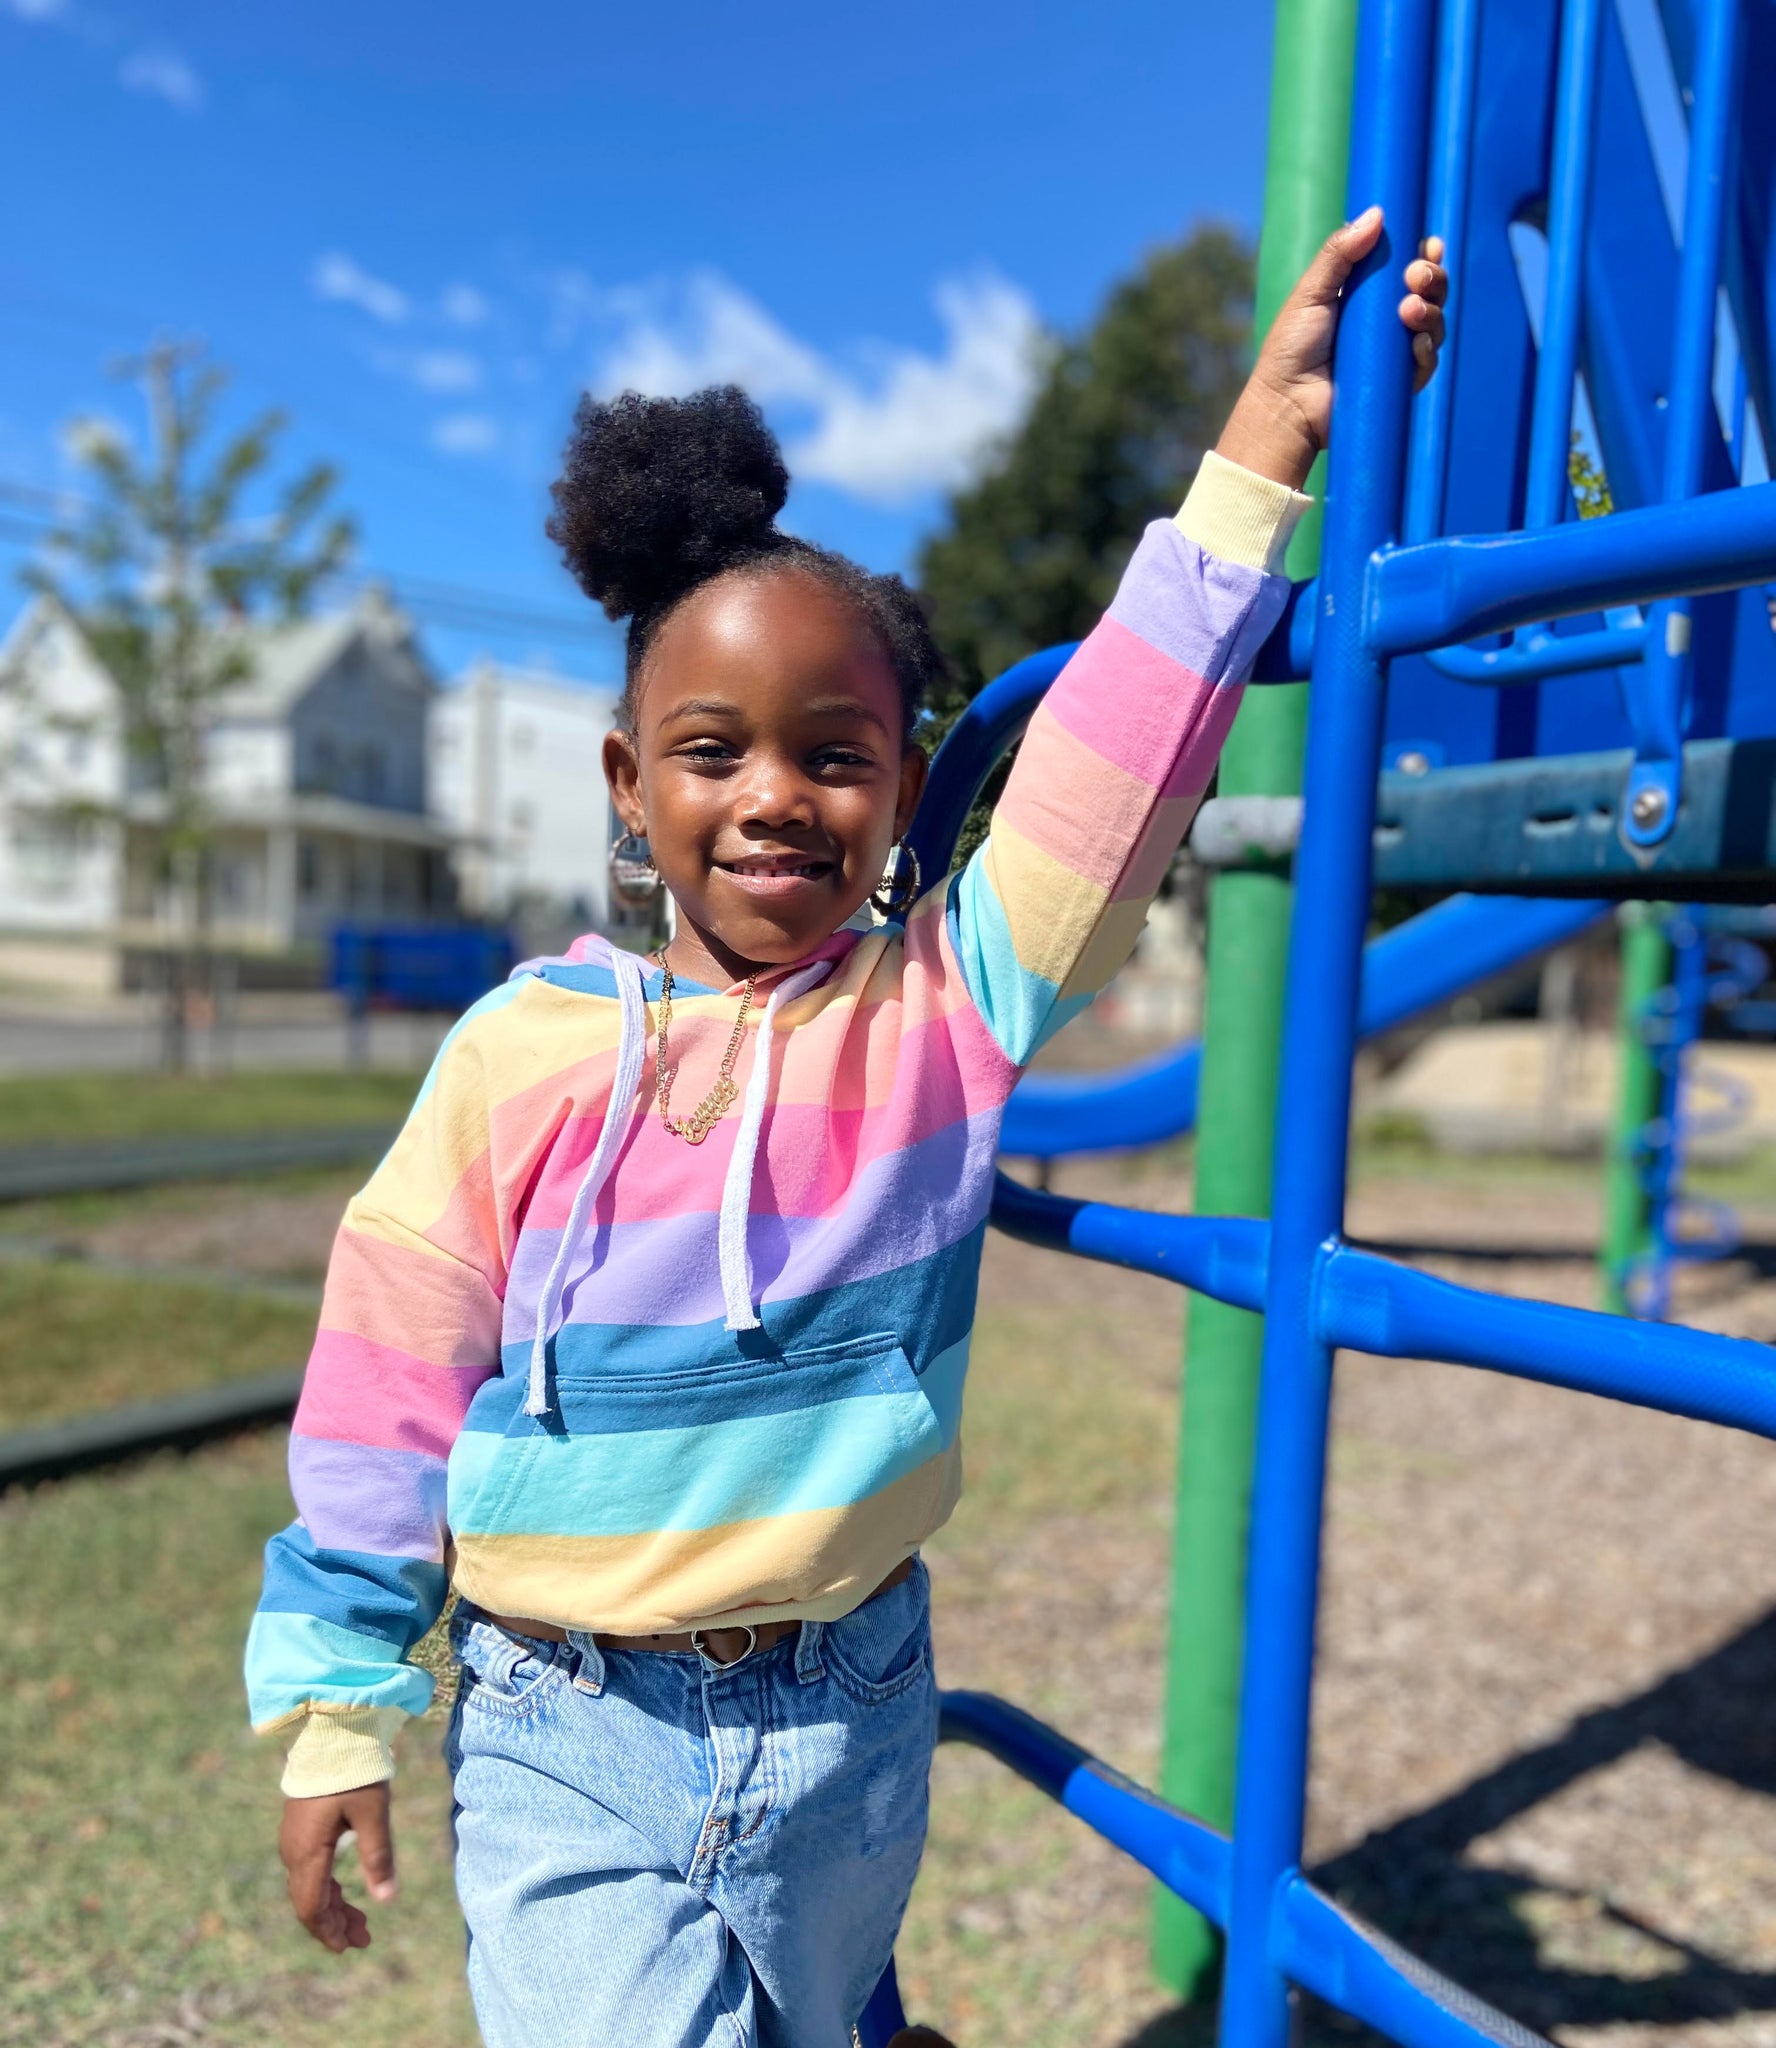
column 1412, row 762
column 1648, row 808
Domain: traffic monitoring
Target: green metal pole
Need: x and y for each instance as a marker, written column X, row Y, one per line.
column 1646, row 968
column 1304, row 191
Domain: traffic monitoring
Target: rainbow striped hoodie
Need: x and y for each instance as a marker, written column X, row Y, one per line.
column 601, row 1378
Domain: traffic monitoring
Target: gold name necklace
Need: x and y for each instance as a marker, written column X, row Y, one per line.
column 693, row 1129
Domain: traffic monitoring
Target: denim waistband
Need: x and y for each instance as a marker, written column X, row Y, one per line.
column 497, row 1654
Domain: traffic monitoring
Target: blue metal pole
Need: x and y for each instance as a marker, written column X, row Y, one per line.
column 1374, row 375
column 1446, row 214
column 1443, row 591
column 1569, row 205
column 1657, row 691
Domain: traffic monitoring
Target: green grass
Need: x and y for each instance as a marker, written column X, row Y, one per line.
column 144, row 1899
column 66, row 1109
column 74, row 1341
column 145, row 1815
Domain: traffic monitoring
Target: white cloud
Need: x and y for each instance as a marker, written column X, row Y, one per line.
column 336, row 276
column 710, row 332
column 910, row 423
column 37, row 10
column 465, row 433
column 446, row 369
column 164, row 75
column 464, row 305
column 930, row 419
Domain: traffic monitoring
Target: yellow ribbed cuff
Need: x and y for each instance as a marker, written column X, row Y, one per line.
column 339, row 1752
column 1239, row 515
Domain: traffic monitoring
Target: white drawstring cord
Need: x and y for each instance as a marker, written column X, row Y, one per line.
column 736, row 1267
column 631, row 1050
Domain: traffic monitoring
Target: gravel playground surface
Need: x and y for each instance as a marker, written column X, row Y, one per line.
column 1545, row 1753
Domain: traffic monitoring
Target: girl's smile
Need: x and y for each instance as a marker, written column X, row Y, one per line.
column 776, row 875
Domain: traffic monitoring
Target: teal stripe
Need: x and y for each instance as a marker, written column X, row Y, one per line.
column 745, row 1469
column 941, row 1382
column 1060, row 1016
column 1015, row 1003
column 293, row 1659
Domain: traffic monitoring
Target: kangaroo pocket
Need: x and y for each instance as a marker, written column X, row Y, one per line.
column 661, row 1499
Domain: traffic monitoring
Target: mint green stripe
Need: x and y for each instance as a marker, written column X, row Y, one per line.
column 295, row 1658
column 746, row 1469
column 941, row 1382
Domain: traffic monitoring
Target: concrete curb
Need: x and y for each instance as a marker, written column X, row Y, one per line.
column 30, row 1173
column 57, row 1449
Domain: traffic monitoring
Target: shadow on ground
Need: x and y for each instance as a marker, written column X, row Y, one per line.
column 1410, row 1879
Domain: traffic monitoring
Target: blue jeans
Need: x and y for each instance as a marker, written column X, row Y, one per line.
column 656, row 1851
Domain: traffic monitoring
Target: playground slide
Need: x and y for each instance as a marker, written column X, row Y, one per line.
column 1418, row 965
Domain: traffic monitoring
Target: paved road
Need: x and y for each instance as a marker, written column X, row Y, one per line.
column 41, row 1042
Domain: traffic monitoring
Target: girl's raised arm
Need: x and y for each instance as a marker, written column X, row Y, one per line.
column 1121, row 749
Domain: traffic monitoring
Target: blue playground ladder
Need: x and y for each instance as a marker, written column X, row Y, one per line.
column 1697, row 527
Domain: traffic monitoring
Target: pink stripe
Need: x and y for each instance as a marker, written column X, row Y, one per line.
column 1155, row 850
column 358, row 1392
column 1074, row 805
column 1132, row 704
column 810, row 1153
column 427, row 1307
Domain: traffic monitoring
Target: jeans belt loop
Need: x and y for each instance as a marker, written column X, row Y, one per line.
column 808, row 1667
column 589, row 1676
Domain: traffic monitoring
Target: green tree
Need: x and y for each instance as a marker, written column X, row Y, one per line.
column 1030, row 554
column 173, row 556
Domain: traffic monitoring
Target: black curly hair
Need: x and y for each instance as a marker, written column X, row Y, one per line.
column 658, row 496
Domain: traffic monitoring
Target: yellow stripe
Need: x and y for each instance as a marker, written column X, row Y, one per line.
column 1050, row 909
column 1240, row 516
column 813, row 1566
column 1108, row 948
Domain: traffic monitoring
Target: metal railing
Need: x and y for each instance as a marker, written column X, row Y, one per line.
column 1376, row 599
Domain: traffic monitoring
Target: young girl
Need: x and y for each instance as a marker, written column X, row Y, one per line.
column 649, row 1333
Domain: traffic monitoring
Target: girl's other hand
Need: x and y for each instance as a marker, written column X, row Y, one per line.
column 1281, row 421
column 308, row 1840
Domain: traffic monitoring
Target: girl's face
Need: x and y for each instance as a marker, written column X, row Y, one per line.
column 767, row 767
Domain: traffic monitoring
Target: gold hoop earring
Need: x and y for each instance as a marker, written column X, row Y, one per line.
column 898, row 889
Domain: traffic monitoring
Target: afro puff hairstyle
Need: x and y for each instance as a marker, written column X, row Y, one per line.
column 658, row 496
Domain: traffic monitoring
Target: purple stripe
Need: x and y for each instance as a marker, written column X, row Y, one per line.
column 358, row 1497
column 1211, row 615
column 904, row 1206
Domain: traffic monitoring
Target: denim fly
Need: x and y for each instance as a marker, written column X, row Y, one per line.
column 657, row 1851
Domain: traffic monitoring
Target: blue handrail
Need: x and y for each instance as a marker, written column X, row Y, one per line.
column 1378, row 599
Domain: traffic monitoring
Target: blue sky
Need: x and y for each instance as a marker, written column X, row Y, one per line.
column 423, row 229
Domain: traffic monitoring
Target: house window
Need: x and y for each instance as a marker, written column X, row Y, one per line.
column 47, row 850
column 308, row 870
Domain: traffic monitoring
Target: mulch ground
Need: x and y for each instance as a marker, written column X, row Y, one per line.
column 1544, row 1751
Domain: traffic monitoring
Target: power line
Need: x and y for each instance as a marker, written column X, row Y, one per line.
column 455, row 605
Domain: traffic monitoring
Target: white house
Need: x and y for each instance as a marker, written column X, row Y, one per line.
column 315, row 772
column 517, row 771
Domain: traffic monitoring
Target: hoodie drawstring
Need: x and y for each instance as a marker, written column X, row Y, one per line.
column 736, row 1267
column 625, row 1084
